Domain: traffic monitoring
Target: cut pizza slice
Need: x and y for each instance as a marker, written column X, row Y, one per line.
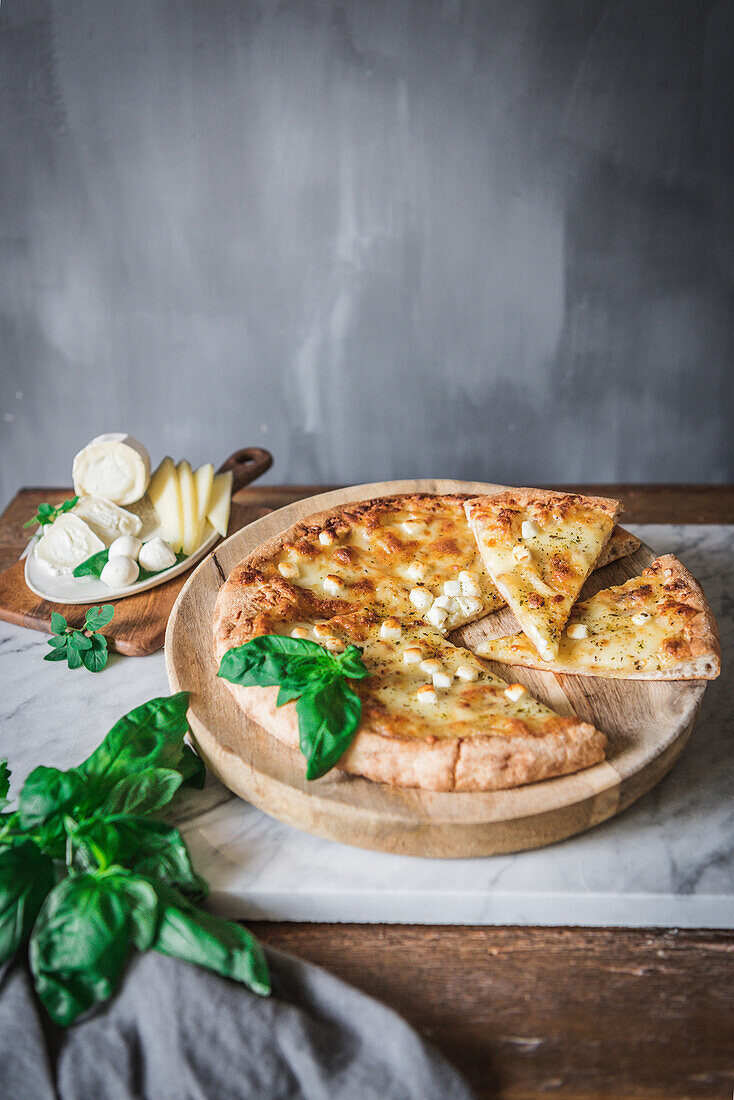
column 433, row 715
column 657, row 626
column 539, row 547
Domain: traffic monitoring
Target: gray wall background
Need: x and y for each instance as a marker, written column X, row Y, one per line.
column 381, row 238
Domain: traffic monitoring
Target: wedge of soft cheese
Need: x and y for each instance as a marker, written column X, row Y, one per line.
column 219, row 502
column 107, row 520
column 164, row 493
column 189, row 508
column 204, row 478
column 115, row 467
column 66, row 543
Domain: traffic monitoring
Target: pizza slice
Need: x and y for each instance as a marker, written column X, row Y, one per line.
column 657, row 626
column 433, row 715
column 539, row 547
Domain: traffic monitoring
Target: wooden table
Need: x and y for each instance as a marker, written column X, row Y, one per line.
column 539, row 1012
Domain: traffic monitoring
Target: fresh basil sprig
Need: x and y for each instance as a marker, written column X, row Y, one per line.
column 47, row 513
column 81, row 647
column 328, row 709
column 93, row 566
column 86, row 875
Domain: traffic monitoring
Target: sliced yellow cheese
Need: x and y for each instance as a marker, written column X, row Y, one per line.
column 165, row 495
column 203, row 479
column 219, row 502
column 189, row 508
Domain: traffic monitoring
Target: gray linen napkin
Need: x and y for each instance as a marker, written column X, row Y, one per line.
column 176, row 1032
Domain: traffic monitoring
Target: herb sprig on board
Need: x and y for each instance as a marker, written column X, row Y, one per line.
column 86, row 875
column 81, row 647
column 93, row 566
column 47, row 513
column 328, row 709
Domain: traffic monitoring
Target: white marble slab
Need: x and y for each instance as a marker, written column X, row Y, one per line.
column 668, row 860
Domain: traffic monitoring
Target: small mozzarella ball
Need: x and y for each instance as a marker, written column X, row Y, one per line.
column 452, row 588
column 421, row 598
column 119, row 572
column 431, row 665
column 416, row 570
column 442, row 680
column 426, row 695
column 529, row 529
column 289, row 570
column 156, row 555
column 521, row 553
column 126, row 546
column 515, row 692
column 470, row 605
column 436, row 616
column 578, row 630
column 332, row 584
column 412, row 655
column 465, row 672
column 641, row 618
column 391, row 630
column 299, row 632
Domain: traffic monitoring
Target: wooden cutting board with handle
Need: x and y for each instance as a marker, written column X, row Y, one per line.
column 139, row 625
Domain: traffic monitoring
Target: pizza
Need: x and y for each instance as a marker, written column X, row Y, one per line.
column 394, row 576
column 539, row 547
column 657, row 626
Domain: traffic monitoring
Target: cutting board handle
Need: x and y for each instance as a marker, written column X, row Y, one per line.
column 246, row 465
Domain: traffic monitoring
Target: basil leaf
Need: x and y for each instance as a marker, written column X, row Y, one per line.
column 4, row 782
column 97, row 617
column 142, row 793
column 271, row 660
column 58, row 623
column 198, row 937
column 47, row 513
column 95, row 658
column 83, row 937
column 149, row 736
column 192, row 769
column 26, row 877
column 59, row 641
column 141, row 845
column 73, row 657
column 77, row 640
column 93, row 566
column 351, row 664
column 56, row 654
column 327, row 721
column 48, row 792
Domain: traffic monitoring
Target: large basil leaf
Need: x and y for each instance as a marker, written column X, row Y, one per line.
column 141, row 845
column 4, row 782
column 142, row 793
column 83, row 937
column 94, row 658
column 327, row 721
column 26, row 877
column 271, row 660
column 149, row 736
column 197, row 937
column 48, row 792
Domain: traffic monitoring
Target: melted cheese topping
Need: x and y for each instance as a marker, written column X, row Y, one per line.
column 539, row 574
column 634, row 627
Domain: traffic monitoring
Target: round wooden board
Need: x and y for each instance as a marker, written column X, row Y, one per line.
column 648, row 725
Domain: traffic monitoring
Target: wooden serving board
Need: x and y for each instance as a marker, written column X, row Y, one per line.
column 647, row 724
column 139, row 625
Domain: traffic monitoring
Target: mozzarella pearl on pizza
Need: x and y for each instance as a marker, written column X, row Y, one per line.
column 421, row 598
column 521, row 553
column 431, row 665
column 335, row 645
column 452, row 588
column 333, row 585
column 426, row 695
column 289, row 570
column 578, row 630
column 515, row 692
column 299, row 632
column 391, row 630
column 469, row 584
column 416, row 571
column 465, row 672
column 321, row 630
column 437, row 616
column 412, row 655
column 442, row 680
column 327, row 538
column 529, row 529
column 641, row 618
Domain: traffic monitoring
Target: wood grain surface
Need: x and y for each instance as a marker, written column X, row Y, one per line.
column 647, row 723
column 532, row 1013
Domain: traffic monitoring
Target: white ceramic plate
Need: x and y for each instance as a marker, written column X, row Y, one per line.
column 91, row 590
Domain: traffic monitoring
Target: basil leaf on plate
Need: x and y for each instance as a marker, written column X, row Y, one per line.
column 26, row 877
column 92, row 566
column 327, row 721
column 198, row 937
column 83, row 937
